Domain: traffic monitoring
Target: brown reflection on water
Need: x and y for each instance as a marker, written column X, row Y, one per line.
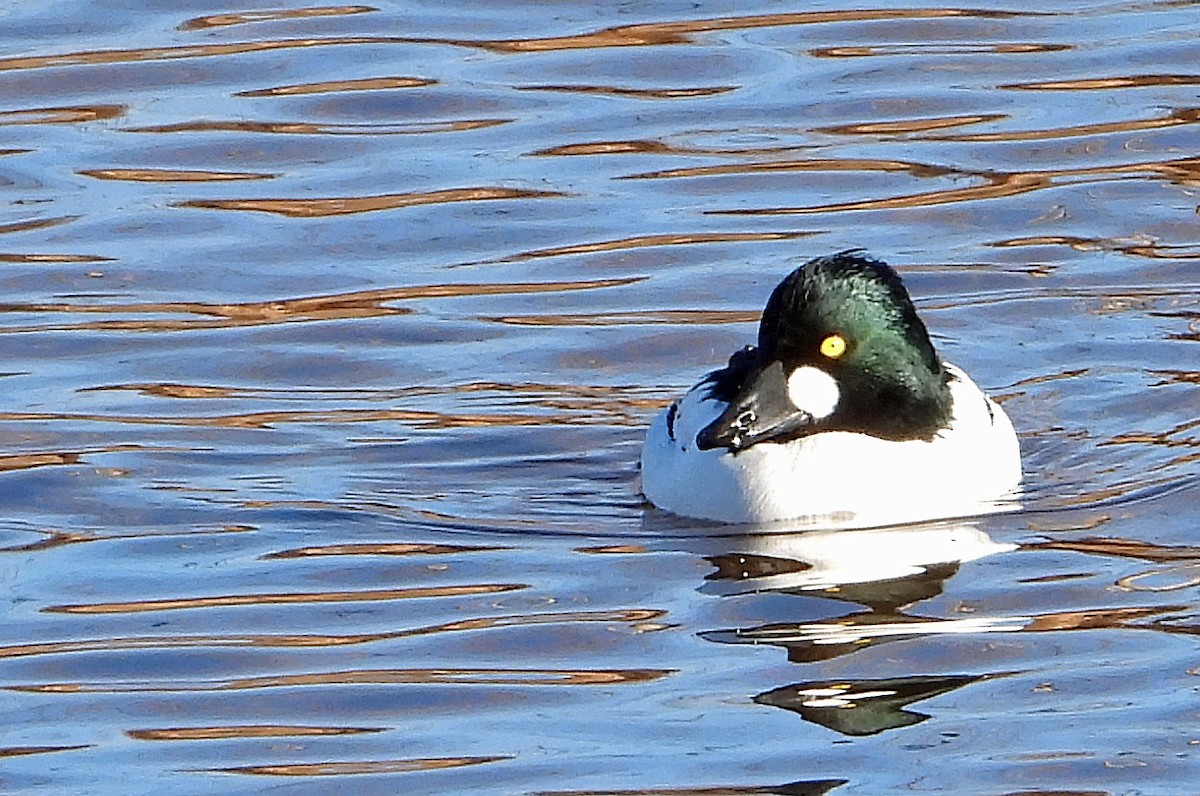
column 1175, row 377
column 609, row 148
column 284, row 598
column 70, row 114
column 140, row 54
column 1103, row 83
column 646, row 241
column 244, row 731
column 513, row 677
column 682, row 31
column 634, row 616
column 1122, row 548
column 331, row 86
column 654, row 147
column 1096, row 619
column 310, row 208
column 170, row 175
column 27, row 461
column 248, row 17
column 36, row 223
column 54, row 258
column 1164, row 438
column 907, row 126
column 22, row 751
column 506, row 677
column 939, row 48
column 607, row 399
column 380, row 549
column 820, row 164
column 994, row 184
column 632, row 318
column 1174, row 118
column 1136, row 248
column 412, row 417
column 336, row 306
column 339, row 769
column 310, row 128
column 1124, row 489
column 805, row 788
column 636, row 93
column 266, row 420
column 54, row 539
column 171, row 390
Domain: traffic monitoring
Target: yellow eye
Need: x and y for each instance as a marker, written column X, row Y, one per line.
column 833, row 346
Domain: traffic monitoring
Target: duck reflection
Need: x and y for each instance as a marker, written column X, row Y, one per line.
column 877, row 566
column 863, row 707
column 884, row 571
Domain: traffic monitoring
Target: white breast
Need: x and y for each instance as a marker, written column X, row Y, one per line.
column 851, row 480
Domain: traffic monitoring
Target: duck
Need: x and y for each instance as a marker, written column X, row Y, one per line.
column 842, row 414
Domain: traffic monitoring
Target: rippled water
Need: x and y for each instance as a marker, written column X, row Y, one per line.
column 330, row 334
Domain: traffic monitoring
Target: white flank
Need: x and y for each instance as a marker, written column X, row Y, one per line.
column 851, row 480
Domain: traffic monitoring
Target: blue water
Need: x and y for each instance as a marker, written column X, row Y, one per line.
column 330, row 335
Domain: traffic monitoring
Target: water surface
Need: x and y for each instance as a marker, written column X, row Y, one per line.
column 330, row 334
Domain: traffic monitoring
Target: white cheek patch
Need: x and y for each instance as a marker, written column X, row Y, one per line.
column 814, row 391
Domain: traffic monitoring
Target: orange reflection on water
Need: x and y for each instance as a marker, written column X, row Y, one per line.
column 266, row 420
column 182, row 51
column 645, row 241
column 632, row 318
column 1122, row 548
column 904, row 126
column 655, row 33
column 310, row 128
column 1103, row 83
column 816, row 164
column 310, row 208
column 336, row 306
column 284, row 598
column 938, row 48
column 55, row 258
column 1137, row 248
column 71, row 114
column 608, row 148
column 1174, row 118
column 247, row 17
column 578, row 396
column 1110, row 618
column 632, row 616
column 379, row 549
column 505, row 677
column 36, row 223
column 171, row 175
column 331, row 86
column 807, row 788
column 22, row 751
column 994, row 184
column 511, row 677
column 340, row 769
column 52, row 539
column 26, row 461
column 681, row 32
column 636, row 93
column 244, row 731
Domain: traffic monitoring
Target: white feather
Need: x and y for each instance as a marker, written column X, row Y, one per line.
column 849, row 479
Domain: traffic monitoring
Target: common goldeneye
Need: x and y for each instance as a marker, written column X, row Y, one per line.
column 842, row 411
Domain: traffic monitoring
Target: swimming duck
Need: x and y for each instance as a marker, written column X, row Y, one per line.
column 843, row 411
